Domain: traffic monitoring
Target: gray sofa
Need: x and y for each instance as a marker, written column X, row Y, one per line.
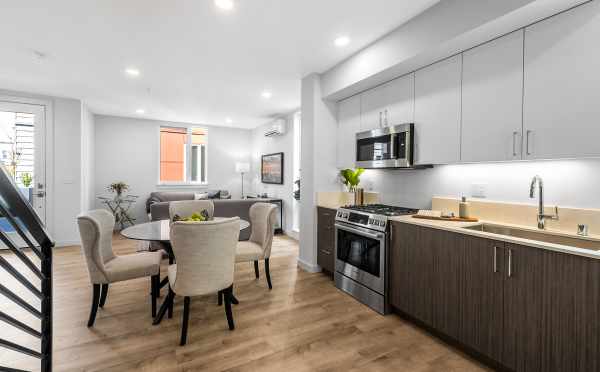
column 157, row 206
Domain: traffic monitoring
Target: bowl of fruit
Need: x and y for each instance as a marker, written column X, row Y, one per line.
column 195, row 217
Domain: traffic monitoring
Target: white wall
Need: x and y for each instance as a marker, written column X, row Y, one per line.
column 262, row 145
column 318, row 155
column 567, row 183
column 128, row 150
column 67, row 170
column 87, row 159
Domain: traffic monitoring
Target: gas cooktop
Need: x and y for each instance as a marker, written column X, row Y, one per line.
column 372, row 216
column 381, row 209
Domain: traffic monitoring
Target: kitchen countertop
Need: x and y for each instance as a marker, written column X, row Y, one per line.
column 458, row 227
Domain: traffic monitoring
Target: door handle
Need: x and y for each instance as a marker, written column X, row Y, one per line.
column 527, row 143
column 509, row 263
column 495, row 259
column 515, row 143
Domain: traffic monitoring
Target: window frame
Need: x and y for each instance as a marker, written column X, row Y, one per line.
column 187, row 158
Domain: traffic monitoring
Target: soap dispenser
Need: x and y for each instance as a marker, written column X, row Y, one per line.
column 463, row 208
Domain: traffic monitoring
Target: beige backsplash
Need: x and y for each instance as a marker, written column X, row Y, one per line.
column 335, row 200
column 523, row 214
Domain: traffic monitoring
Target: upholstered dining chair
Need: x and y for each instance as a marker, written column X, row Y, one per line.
column 185, row 208
column 262, row 219
column 205, row 254
column 104, row 267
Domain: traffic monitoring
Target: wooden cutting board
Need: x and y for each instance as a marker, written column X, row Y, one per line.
column 452, row 219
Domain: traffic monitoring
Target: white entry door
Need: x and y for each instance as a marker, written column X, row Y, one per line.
column 22, row 150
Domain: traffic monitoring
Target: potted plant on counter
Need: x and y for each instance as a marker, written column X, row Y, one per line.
column 351, row 178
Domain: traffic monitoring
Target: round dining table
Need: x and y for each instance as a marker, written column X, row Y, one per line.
column 160, row 231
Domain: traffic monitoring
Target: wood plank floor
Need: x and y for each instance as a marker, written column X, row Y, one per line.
column 303, row 324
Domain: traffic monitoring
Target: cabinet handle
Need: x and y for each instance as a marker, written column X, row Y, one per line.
column 325, row 251
column 527, row 144
column 495, row 259
column 515, row 143
column 509, row 263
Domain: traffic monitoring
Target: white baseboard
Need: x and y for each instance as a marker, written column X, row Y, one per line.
column 66, row 243
column 308, row 267
column 292, row 234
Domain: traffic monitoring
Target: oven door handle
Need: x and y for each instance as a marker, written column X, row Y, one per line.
column 362, row 232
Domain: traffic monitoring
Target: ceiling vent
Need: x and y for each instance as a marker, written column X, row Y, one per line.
column 276, row 129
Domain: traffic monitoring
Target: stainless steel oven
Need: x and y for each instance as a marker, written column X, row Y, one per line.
column 360, row 255
column 389, row 147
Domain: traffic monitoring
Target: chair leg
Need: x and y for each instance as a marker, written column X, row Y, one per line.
column 103, row 294
column 256, row 269
column 95, row 302
column 268, row 273
column 220, row 298
column 171, row 301
column 228, row 296
column 186, row 317
column 154, row 285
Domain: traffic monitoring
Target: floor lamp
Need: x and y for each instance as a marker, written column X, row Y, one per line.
column 242, row 168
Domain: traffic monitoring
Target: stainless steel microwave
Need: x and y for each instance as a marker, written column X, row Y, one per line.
column 389, row 147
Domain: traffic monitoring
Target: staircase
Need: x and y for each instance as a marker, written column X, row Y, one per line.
column 16, row 210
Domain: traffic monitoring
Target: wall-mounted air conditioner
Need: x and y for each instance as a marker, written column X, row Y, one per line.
column 276, row 129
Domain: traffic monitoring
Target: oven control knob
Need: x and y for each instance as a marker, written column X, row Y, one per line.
column 370, row 221
column 382, row 223
column 339, row 214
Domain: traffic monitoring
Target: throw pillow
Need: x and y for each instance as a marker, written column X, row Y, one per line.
column 214, row 194
column 201, row 196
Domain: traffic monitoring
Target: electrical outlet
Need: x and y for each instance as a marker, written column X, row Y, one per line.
column 479, row 190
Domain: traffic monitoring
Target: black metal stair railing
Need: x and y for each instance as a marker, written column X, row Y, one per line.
column 17, row 211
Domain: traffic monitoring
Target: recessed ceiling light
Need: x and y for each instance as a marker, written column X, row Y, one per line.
column 140, row 111
column 225, row 4
column 341, row 41
column 228, row 120
column 132, row 71
column 266, row 94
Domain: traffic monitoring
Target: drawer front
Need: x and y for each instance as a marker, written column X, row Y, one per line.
column 326, row 239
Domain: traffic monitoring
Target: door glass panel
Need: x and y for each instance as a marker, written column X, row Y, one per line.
column 359, row 251
column 376, row 148
column 17, row 146
column 22, row 157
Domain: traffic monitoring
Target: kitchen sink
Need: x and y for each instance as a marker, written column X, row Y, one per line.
column 542, row 236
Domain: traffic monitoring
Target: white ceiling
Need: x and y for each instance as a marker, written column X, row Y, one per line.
column 198, row 63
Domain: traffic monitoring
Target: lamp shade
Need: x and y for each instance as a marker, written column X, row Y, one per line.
column 242, row 167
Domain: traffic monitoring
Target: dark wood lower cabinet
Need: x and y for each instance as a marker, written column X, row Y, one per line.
column 527, row 308
column 551, row 311
column 481, row 295
column 413, row 293
column 326, row 238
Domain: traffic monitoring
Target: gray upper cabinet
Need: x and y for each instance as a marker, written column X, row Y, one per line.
column 562, row 78
column 348, row 126
column 492, row 88
column 389, row 104
column 437, row 112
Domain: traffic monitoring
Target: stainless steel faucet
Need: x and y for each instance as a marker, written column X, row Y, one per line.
column 541, row 217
